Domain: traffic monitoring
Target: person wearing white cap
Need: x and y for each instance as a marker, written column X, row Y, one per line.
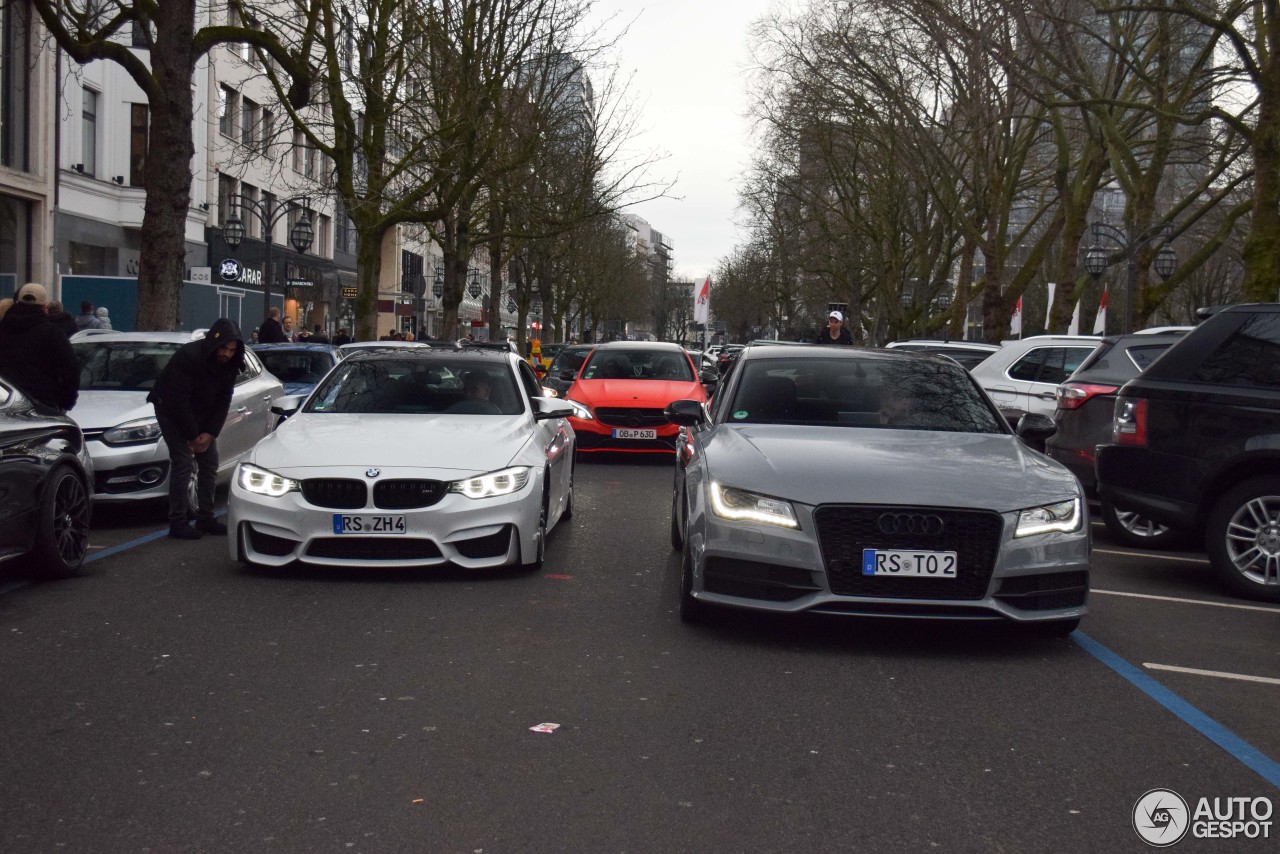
column 35, row 355
column 835, row 333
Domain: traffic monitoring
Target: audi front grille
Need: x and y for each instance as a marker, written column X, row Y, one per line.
column 845, row 530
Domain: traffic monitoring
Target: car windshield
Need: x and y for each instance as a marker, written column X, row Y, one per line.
column 906, row 394
column 121, row 365
column 457, row 386
column 296, row 366
column 638, row 364
column 568, row 360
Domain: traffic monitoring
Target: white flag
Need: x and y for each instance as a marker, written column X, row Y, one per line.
column 1074, row 328
column 1100, row 324
column 702, row 302
column 1048, row 312
column 1015, row 322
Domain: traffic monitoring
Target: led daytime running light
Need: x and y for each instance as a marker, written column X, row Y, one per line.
column 260, row 481
column 740, row 506
column 1063, row 517
column 492, row 484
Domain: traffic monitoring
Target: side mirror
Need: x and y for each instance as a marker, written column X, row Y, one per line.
column 568, row 376
column 686, row 413
column 709, row 376
column 1034, row 429
column 546, row 407
column 287, row 405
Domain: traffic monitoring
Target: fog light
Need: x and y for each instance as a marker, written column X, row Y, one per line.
column 150, row 476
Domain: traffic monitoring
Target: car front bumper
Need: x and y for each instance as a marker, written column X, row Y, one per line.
column 469, row 533
column 765, row 568
column 129, row 472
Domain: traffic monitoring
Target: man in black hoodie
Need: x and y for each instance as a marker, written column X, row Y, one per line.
column 191, row 398
column 35, row 354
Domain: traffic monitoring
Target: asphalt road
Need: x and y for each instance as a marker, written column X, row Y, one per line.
column 173, row 702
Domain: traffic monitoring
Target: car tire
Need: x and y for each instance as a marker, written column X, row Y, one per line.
column 1053, row 628
column 1243, row 528
column 1138, row 532
column 62, row 529
column 540, row 551
column 692, row 611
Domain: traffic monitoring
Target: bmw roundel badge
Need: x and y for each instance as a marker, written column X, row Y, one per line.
column 373, row 473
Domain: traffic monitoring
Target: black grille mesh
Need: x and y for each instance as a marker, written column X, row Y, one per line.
column 373, row 548
column 407, row 494
column 335, row 492
column 631, row 417
column 845, row 530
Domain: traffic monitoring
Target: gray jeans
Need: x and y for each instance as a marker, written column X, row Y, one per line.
column 181, row 460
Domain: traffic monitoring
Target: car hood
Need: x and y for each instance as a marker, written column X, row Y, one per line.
column 101, row 410
column 823, row 465
column 635, row 392
column 458, row 444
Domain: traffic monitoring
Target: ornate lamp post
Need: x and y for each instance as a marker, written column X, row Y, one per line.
column 1096, row 259
column 269, row 211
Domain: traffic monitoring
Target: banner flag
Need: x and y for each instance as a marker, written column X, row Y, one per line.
column 702, row 302
column 1100, row 324
column 1048, row 312
column 1074, row 328
column 1015, row 322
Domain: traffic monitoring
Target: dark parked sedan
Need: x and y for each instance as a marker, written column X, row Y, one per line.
column 1086, row 402
column 45, row 502
column 842, row 480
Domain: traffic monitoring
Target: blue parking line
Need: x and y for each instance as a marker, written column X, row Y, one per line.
column 1254, row 759
column 145, row 538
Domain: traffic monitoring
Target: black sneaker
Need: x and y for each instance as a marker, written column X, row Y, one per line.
column 210, row 526
column 181, row 531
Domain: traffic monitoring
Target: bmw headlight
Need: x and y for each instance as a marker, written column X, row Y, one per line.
column 260, row 481
column 492, row 484
column 133, row 432
column 1063, row 517
column 742, row 506
column 580, row 410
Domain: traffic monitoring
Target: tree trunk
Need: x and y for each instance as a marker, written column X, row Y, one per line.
column 170, row 148
column 1262, row 246
column 368, row 271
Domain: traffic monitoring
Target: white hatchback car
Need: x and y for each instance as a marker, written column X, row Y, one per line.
column 130, row 458
column 398, row 458
column 1024, row 374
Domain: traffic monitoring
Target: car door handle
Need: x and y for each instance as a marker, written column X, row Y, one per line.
column 1047, row 395
column 266, row 397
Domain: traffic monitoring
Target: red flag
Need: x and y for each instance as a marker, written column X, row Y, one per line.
column 1100, row 323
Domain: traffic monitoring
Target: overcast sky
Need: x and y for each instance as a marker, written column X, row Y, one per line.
column 688, row 61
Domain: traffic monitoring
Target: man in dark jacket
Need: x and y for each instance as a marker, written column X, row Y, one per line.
column 35, row 354
column 191, row 398
column 835, row 333
column 271, row 332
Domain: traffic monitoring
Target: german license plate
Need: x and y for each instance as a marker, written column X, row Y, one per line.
column 634, row 433
column 368, row 525
column 908, row 563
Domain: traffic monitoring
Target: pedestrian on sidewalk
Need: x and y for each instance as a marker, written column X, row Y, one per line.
column 35, row 355
column 271, row 332
column 191, row 399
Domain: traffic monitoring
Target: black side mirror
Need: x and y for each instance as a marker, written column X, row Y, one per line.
column 1034, row 429
column 709, row 376
column 686, row 413
column 567, row 376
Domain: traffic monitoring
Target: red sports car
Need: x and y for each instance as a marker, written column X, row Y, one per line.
column 626, row 385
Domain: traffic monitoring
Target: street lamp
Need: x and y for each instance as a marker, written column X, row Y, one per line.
column 474, row 287
column 1096, row 259
column 269, row 211
column 438, row 287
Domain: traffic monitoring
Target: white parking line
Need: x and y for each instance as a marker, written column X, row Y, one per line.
column 1262, row 608
column 1156, row 555
column 1267, row 680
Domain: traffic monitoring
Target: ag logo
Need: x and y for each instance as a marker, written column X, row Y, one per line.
column 229, row 270
column 1161, row 817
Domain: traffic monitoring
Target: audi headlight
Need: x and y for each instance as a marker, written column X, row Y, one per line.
column 133, row 432
column 492, row 484
column 1063, row 517
column 580, row 410
column 260, row 481
column 742, row 506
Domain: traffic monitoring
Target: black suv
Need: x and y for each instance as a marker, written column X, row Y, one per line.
column 1196, row 445
column 1086, row 403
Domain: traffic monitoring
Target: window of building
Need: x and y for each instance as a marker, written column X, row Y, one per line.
column 309, row 161
column 299, row 147
column 249, row 195
column 226, row 194
column 342, row 241
column 268, row 129
column 323, row 225
column 228, row 107
column 144, row 34
column 15, row 62
column 139, row 122
column 15, row 241
column 89, row 132
column 249, row 115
